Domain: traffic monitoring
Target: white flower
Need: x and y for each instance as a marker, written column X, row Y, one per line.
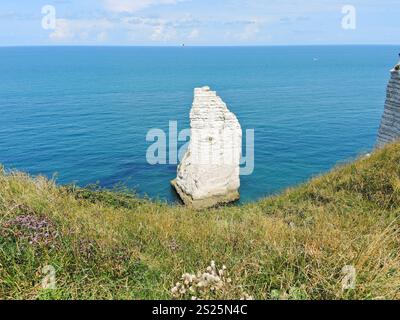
column 204, row 285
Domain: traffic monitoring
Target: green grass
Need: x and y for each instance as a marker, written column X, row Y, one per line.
column 112, row 245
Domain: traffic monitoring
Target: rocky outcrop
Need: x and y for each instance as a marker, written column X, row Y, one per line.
column 389, row 130
column 208, row 174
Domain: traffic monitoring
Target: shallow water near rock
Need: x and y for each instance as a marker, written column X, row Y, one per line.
column 84, row 112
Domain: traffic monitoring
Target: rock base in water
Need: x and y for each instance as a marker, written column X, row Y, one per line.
column 212, row 201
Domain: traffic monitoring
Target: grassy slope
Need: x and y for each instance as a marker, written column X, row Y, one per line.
column 292, row 246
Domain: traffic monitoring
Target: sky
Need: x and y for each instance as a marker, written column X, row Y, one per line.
column 199, row 22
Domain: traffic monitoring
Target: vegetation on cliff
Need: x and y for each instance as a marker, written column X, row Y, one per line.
column 111, row 245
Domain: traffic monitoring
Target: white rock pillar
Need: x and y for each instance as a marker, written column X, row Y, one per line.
column 389, row 130
column 208, row 174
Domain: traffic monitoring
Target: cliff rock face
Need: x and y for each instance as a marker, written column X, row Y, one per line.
column 389, row 130
column 208, row 174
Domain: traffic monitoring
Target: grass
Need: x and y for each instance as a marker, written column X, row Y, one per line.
column 111, row 245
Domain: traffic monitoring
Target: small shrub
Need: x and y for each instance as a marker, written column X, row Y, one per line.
column 119, row 197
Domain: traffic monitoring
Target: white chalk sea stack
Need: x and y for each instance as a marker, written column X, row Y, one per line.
column 208, row 174
column 389, row 130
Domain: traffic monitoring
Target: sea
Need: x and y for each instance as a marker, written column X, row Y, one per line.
column 82, row 115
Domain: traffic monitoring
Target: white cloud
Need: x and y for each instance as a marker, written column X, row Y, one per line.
column 102, row 36
column 250, row 31
column 193, row 34
column 163, row 33
column 154, row 29
column 130, row 6
column 68, row 30
column 63, row 31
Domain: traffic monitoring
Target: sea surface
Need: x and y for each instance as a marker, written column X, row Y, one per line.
column 82, row 114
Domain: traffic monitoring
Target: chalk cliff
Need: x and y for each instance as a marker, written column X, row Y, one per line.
column 208, row 174
column 389, row 130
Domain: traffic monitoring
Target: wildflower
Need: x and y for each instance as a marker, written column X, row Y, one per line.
column 246, row 297
column 205, row 285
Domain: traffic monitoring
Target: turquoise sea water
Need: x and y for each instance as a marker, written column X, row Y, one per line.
column 84, row 112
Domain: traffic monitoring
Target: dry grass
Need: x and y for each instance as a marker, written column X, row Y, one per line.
column 111, row 245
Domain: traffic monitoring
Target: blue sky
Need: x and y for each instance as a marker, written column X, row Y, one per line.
column 199, row 22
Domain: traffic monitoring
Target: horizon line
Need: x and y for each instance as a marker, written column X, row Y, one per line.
column 194, row 46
